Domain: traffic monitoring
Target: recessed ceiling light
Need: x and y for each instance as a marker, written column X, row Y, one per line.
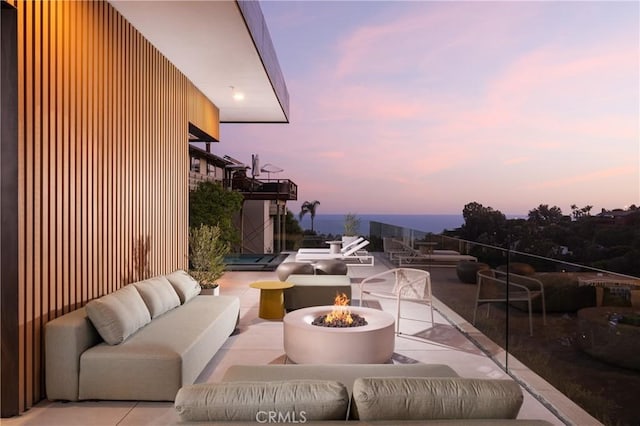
column 237, row 95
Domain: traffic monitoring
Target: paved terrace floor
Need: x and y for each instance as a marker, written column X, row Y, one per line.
column 450, row 341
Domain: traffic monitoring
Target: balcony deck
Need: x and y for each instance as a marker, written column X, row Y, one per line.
column 274, row 189
column 451, row 341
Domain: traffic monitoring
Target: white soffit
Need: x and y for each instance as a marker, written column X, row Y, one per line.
column 210, row 43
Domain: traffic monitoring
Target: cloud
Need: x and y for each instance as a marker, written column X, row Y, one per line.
column 331, row 154
column 516, row 160
column 595, row 176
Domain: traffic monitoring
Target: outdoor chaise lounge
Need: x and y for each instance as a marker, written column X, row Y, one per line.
column 395, row 248
column 444, row 258
column 355, row 256
column 405, row 255
column 344, row 248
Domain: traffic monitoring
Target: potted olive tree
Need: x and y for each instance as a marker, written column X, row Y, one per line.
column 351, row 227
column 206, row 256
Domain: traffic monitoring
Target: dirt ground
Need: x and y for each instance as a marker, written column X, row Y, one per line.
column 607, row 392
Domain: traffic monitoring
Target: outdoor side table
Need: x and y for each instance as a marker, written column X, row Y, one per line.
column 334, row 246
column 271, row 298
column 622, row 286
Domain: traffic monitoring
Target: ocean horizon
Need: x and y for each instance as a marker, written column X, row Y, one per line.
column 433, row 223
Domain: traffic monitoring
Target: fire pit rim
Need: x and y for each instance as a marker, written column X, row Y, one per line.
column 375, row 318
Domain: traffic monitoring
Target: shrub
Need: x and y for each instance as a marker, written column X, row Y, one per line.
column 206, row 254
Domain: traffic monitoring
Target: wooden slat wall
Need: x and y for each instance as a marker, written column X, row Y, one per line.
column 103, row 164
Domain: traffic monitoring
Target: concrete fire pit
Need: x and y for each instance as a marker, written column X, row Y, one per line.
column 305, row 343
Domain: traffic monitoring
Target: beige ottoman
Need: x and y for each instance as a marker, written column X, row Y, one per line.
column 331, row 267
column 314, row 290
column 287, row 268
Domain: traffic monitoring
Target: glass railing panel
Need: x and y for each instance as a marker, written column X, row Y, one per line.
column 586, row 343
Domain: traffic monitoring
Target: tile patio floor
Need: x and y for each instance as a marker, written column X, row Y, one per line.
column 259, row 341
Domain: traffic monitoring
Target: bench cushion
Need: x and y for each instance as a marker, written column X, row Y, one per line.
column 420, row 398
column 296, row 401
column 118, row 315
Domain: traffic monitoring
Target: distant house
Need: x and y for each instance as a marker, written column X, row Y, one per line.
column 264, row 207
column 619, row 216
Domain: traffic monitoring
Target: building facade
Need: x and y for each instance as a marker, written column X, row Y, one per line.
column 95, row 161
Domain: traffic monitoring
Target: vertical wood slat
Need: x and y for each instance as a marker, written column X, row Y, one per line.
column 103, row 160
column 28, row 290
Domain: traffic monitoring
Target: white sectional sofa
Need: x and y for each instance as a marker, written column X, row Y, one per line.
column 142, row 342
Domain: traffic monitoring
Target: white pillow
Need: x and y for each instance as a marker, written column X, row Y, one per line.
column 158, row 294
column 118, row 315
column 184, row 284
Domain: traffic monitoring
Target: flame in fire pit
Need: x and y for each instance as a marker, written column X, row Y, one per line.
column 340, row 313
column 340, row 316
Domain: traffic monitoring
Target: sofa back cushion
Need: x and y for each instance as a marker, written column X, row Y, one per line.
column 424, row 398
column 291, row 401
column 184, row 284
column 158, row 295
column 118, row 315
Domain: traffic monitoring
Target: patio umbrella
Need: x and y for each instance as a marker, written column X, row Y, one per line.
column 270, row 168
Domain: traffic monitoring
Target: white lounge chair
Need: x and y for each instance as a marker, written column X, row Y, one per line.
column 343, row 250
column 353, row 256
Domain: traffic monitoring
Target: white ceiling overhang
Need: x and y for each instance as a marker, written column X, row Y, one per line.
column 217, row 45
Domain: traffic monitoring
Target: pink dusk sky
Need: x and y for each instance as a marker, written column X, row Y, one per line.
column 423, row 107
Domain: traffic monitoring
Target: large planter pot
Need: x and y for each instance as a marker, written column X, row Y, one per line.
column 518, row 268
column 210, row 291
column 468, row 270
column 608, row 340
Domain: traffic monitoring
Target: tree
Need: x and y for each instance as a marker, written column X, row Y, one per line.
column 309, row 207
column 580, row 213
column 293, row 231
column 485, row 221
column 545, row 215
column 351, row 224
column 210, row 204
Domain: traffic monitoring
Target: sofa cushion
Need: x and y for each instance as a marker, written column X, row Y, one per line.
column 184, row 284
column 118, row 315
column 296, row 401
column 421, row 398
column 158, row 294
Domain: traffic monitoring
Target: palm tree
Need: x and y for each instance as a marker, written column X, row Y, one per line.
column 309, row 207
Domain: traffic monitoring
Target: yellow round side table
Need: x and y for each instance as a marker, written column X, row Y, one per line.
column 271, row 298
